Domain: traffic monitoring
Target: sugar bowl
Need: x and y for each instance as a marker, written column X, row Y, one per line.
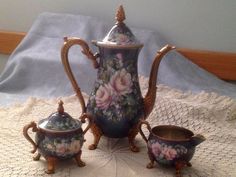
column 170, row 145
column 58, row 137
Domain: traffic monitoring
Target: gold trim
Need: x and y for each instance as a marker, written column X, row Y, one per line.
column 60, row 132
column 150, row 97
column 115, row 46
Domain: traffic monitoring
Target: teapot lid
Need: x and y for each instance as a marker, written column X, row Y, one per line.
column 120, row 36
column 59, row 121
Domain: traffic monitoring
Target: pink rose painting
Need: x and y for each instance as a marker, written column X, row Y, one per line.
column 122, row 39
column 164, row 151
column 103, row 96
column 156, row 149
column 169, row 153
column 119, row 56
column 121, row 82
column 75, row 146
column 61, row 148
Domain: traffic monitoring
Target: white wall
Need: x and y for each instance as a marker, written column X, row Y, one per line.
column 199, row 24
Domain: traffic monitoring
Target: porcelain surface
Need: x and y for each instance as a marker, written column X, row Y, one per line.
column 59, row 122
column 168, row 153
column 116, row 101
column 63, row 146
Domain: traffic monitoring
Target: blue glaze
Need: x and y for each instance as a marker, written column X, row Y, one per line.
column 59, row 145
column 116, row 102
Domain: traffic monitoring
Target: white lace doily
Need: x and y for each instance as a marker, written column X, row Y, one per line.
column 206, row 113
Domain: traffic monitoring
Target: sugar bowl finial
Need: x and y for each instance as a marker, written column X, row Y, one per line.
column 60, row 108
column 120, row 15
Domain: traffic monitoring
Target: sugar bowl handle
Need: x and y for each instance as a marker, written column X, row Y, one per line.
column 68, row 43
column 89, row 117
column 140, row 129
column 26, row 135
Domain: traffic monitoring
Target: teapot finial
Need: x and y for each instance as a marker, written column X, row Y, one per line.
column 60, row 108
column 120, row 15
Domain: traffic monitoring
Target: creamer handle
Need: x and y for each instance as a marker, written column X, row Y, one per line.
column 140, row 129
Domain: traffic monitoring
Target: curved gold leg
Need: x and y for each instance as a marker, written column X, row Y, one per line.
column 150, row 165
column 152, row 160
column 131, row 137
column 97, row 133
column 51, row 161
column 189, row 164
column 37, row 157
column 79, row 162
column 179, row 165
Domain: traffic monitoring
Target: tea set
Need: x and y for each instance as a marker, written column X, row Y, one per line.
column 115, row 107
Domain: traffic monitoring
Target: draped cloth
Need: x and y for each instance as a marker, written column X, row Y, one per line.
column 35, row 68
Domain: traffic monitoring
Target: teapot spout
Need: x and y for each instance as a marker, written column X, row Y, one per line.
column 150, row 97
column 197, row 139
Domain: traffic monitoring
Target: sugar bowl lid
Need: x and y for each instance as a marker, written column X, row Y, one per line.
column 120, row 36
column 59, row 121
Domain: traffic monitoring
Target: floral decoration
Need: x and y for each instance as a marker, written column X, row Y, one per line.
column 121, row 35
column 117, row 94
column 121, row 39
column 62, row 147
column 121, row 82
column 104, row 96
column 60, row 122
column 164, row 152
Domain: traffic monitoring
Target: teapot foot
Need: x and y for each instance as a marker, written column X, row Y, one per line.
column 97, row 133
column 78, row 160
column 37, row 157
column 131, row 137
column 51, row 161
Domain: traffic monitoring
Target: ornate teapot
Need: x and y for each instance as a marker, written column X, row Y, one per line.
column 115, row 103
column 58, row 137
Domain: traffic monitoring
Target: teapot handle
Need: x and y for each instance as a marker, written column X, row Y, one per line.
column 68, row 43
column 140, row 128
column 26, row 135
column 89, row 117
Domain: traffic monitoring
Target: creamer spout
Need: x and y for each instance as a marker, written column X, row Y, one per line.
column 197, row 139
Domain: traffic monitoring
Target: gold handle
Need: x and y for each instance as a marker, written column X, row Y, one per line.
column 150, row 97
column 140, row 129
column 26, row 135
column 89, row 117
column 68, row 43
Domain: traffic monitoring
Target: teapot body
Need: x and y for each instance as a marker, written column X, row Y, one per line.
column 116, row 102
